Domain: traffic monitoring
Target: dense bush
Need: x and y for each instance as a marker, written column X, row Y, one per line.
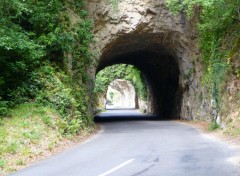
column 35, row 39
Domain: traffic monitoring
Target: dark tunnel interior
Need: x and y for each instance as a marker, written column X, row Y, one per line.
column 159, row 67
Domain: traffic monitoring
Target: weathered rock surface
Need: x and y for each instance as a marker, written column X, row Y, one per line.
column 163, row 46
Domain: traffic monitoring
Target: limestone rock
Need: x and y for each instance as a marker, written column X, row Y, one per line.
column 147, row 32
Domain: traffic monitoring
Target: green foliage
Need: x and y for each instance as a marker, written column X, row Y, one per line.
column 233, row 127
column 32, row 135
column 34, row 31
column 13, row 147
column 219, row 38
column 21, row 134
column 121, row 71
column 48, row 121
column 54, row 88
column 33, row 126
column 38, row 100
column 36, row 39
column 213, row 126
column 74, row 126
column 23, row 25
column 3, row 108
column 2, row 163
column 136, row 78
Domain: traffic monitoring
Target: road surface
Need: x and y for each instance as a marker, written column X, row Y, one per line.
column 140, row 148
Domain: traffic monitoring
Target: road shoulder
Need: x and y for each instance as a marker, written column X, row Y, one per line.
column 219, row 135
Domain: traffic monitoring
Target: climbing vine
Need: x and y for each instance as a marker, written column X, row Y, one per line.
column 219, row 37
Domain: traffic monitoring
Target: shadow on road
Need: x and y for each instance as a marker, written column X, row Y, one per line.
column 115, row 115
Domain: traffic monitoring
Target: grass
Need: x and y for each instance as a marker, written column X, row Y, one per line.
column 213, row 126
column 233, row 128
column 2, row 163
column 30, row 130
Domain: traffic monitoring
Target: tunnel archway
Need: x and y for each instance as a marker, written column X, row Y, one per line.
column 156, row 59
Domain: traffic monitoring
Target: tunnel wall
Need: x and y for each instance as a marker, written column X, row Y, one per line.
column 147, row 26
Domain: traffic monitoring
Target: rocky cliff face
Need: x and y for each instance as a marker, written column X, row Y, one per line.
column 163, row 46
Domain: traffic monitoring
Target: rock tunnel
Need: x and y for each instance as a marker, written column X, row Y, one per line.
column 157, row 63
column 163, row 46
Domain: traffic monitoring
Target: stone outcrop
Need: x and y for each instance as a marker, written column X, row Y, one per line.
column 163, row 46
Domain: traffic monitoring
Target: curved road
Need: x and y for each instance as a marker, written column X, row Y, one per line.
column 140, row 148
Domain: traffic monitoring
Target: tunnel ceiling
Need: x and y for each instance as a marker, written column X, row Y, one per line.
column 128, row 48
column 157, row 62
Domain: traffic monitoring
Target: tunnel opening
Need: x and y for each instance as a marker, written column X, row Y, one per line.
column 121, row 94
column 120, row 86
column 158, row 63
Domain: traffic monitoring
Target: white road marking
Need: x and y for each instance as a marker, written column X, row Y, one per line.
column 116, row 168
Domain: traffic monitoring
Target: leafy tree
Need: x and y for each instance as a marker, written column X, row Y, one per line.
column 36, row 37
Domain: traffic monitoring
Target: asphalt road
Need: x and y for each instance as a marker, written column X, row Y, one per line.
column 131, row 147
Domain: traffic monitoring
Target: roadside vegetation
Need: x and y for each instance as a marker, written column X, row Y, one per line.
column 219, row 41
column 31, row 132
column 41, row 101
column 36, row 38
column 45, row 58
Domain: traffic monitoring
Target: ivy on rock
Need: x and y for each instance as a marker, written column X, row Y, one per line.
column 219, row 37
